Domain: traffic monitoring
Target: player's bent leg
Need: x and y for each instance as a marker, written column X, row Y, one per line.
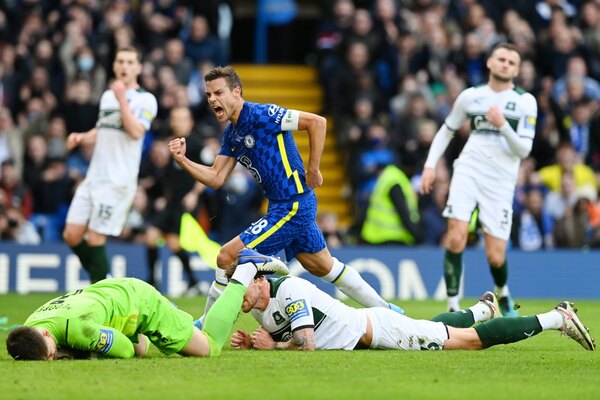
column 98, row 266
column 346, row 278
column 73, row 234
column 507, row 330
column 229, row 253
column 214, row 292
column 462, row 339
column 496, row 256
column 223, row 314
column 141, row 347
column 456, row 319
column 227, row 256
column 199, row 345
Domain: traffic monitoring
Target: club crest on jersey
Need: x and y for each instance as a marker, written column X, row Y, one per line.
column 510, row 106
column 249, row 141
column 105, row 341
column 278, row 318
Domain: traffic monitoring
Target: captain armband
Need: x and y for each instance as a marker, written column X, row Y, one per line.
column 290, row 120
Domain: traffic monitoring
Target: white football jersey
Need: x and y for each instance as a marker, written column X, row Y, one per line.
column 296, row 303
column 487, row 153
column 117, row 155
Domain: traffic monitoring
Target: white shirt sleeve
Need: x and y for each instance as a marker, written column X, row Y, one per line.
column 297, row 305
column 147, row 110
column 521, row 141
column 459, row 114
column 453, row 122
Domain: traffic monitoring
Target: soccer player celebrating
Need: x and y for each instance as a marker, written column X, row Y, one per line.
column 260, row 138
column 102, row 201
column 295, row 315
column 503, row 118
column 116, row 318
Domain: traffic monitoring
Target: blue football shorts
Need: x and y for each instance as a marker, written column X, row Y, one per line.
column 288, row 225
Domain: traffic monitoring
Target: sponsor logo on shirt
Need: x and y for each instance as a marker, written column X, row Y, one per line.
column 482, row 124
column 105, row 341
column 273, row 110
column 109, row 119
column 297, row 309
column 530, row 122
column 279, row 115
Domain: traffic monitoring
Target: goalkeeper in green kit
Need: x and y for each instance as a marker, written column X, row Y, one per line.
column 117, row 318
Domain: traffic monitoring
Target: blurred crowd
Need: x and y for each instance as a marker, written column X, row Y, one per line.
column 390, row 70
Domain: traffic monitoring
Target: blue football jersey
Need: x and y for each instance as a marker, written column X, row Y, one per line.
column 271, row 156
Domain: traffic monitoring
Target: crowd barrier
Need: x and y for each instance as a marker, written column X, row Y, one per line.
column 402, row 273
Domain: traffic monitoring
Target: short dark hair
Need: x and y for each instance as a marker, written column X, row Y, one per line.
column 228, row 73
column 131, row 49
column 26, row 343
column 507, row 46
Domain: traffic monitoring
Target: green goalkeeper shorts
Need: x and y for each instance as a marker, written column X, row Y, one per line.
column 168, row 328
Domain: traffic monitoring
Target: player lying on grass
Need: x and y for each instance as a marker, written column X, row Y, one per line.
column 295, row 315
column 117, row 317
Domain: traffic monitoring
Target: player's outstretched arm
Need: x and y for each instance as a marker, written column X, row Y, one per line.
column 80, row 138
column 213, row 176
column 316, row 127
column 302, row 339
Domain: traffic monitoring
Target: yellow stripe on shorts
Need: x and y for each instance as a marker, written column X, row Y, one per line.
column 275, row 227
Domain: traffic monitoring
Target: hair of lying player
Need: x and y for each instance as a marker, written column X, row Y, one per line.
column 26, row 343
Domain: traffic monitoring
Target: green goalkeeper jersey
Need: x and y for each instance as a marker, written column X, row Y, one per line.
column 108, row 316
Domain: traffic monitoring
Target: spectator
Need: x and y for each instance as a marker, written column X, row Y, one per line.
column 573, row 230
column 52, row 192
column 135, row 224
column 392, row 215
column 558, row 202
column 200, row 45
column 18, row 229
column 334, row 236
column 239, row 205
column 432, row 206
column 81, row 111
column 176, row 58
column 11, row 140
column 372, row 159
column 576, row 66
column 57, row 136
column 532, row 226
column 567, row 161
column 16, row 193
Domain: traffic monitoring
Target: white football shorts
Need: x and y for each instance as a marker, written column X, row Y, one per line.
column 393, row 331
column 493, row 198
column 102, row 206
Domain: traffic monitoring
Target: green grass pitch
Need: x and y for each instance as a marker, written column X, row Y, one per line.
column 548, row 366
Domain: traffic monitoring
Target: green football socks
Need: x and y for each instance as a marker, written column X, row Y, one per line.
column 500, row 274
column 98, row 263
column 452, row 272
column 222, row 315
column 94, row 260
column 507, row 330
column 457, row 319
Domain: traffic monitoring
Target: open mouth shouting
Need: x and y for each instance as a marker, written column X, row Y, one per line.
column 219, row 112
